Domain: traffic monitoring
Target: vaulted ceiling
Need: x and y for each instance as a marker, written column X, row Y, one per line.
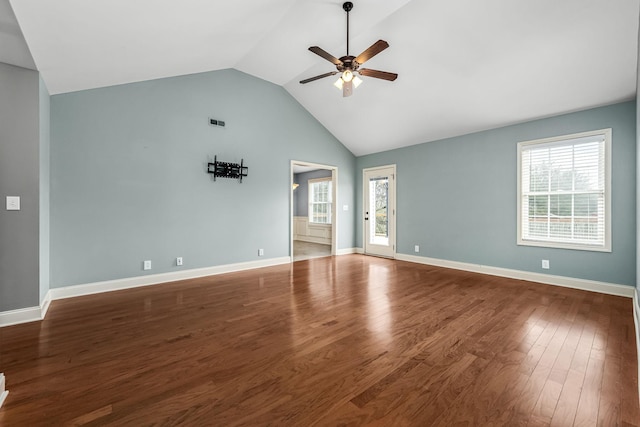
column 463, row 65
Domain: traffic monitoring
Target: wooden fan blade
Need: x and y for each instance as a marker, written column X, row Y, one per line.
column 373, row 50
column 326, row 55
column 378, row 74
column 321, row 76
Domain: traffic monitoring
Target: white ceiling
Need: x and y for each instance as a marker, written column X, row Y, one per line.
column 463, row 66
column 13, row 48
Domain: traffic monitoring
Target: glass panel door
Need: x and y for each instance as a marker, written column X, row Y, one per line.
column 379, row 214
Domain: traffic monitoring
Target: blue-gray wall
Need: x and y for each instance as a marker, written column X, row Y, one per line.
column 44, row 156
column 19, row 165
column 301, row 194
column 456, row 198
column 129, row 181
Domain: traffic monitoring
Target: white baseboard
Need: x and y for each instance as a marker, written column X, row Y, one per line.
column 3, row 392
column 31, row 314
column 22, row 315
column 154, row 279
column 44, row 305
column 567, row 282
column 347, row 251
column 636, row 322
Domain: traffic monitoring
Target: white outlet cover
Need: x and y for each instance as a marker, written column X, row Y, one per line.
column 545, row 264
column 13, row 203
column 147, row 265
column 417, row 248
column 179, row 260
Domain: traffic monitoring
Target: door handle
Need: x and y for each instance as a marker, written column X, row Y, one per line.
column 366, row 216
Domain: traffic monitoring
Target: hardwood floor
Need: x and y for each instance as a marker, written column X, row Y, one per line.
column 349, row 340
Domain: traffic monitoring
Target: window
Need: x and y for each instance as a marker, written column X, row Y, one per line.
column 564, row 192
column 320, row 200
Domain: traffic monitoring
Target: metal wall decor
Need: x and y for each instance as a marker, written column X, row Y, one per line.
column 227, row 169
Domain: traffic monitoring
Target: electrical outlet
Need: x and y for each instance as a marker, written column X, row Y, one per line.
column 179, row 260
column 545, row 264
column 13, row 203
column 146, row 265
column 260, row 252
column 416, row 248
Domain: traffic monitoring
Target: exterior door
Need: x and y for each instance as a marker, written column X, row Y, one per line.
column 380, row 211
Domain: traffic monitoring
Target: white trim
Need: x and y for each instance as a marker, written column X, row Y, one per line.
column 606, row 246
column 392, row 196
column 44, row 305
column 636, row 322
column 21, row 315
column 310, row 202
column 348, row 251
column 154, row 279
column 3, row 392
column 567, row 282
column 26, row 315
column 334, row 205
column 31, row 314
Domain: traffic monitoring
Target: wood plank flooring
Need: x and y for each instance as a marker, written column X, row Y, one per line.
column 349, row 340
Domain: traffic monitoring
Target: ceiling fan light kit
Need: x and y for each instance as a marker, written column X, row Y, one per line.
column 349, row 65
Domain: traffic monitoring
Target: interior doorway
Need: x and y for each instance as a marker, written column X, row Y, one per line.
column 380, row 211
column 313, row 218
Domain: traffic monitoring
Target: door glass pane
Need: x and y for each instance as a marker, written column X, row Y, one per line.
column 378, row 211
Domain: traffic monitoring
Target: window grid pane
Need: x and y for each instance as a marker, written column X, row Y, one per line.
column 320, row 202
column 563, row 192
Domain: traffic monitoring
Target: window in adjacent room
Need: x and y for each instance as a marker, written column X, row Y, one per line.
column 320, row 200
column 564, row 191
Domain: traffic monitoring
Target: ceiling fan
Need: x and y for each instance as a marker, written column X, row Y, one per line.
column 349, row 65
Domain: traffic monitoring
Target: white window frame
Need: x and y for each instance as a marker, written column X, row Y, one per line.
column 311, row 202
column 559, row 141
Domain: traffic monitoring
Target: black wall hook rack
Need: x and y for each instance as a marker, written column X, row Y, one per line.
column 227, row 170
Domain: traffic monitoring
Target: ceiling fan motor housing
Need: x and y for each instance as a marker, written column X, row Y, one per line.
column 347, row 6
column 348, row 63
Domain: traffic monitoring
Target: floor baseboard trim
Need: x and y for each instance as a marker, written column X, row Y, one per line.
column 347, row 251
column 3, row 392
column 32, row 314
column 21, row 315
column 154, row 279
column 44, row 305
column 636, row 322
column 567, row 282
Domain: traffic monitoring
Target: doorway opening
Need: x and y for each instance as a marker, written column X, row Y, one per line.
column 379, row 191
column 314, row 222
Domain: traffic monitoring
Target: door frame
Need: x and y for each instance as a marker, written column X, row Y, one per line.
column 334, row 204
column 392, row 220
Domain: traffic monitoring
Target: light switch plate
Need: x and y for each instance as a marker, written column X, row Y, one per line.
column 13, row 203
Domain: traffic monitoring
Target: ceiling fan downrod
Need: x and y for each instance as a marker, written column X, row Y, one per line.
column 347, row 6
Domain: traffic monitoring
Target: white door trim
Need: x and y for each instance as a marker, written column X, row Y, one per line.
column 392, row 207
column 334, row 209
